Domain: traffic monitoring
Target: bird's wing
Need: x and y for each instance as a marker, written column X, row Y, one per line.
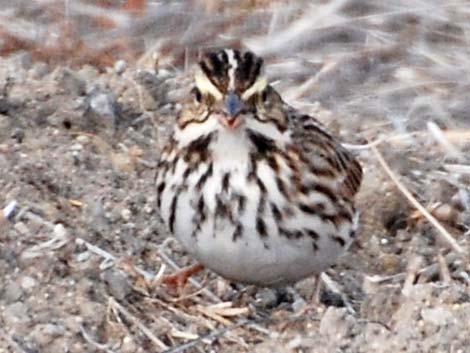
column 324, row 154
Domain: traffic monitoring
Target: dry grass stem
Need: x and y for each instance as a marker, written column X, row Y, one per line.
column 441, row 230
column 436, row 132
column 414, row 265
column 101, row 346
column 146, row 331
column 443, row 269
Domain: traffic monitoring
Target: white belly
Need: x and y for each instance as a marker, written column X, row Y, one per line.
column 268, row 260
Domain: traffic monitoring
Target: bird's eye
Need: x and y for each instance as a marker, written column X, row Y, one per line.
column 197, row 94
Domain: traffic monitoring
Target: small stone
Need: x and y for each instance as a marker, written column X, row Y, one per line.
column 28, row 283
column 266, row 298
column 21, row 59
column 16, row 313
column 120, row 66
column 118, row 284
column 102, row 109
column 76, row 147
column 437, row 316
column 70, row 82
column 39, row 70
column 44, row 334
column 9, row 209
column 21, row 228
column 336, row 322
column 93, row 313
column 83, row 256
column 148, row 209
column 18, row 135
column 298, row 304
column 4, row 105
column 60, row 231
column 12, row 292
column 126, row 214
column 83, row 139
column 128, row 345
column 155, row 89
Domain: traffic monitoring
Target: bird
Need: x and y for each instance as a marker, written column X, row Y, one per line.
column 254, row 190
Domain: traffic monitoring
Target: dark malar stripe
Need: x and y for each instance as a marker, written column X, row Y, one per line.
column 281, row 126
column 262, row 143
column 182, row 125
column 199, row 146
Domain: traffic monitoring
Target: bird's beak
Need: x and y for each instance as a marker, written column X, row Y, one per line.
column 233, row 106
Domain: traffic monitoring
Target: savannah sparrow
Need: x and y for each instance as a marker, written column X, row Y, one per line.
column 253, row 189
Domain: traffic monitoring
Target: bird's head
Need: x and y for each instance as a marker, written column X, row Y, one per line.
column 231, row 87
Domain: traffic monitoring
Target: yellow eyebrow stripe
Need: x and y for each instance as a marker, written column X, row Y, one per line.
column 259, row 85
column 205, row 85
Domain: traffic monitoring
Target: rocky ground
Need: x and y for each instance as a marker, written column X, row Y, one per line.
column 82, row 248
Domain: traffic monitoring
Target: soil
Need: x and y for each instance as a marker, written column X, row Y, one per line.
column 82, row 248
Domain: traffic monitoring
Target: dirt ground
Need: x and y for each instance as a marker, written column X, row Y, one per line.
column 82, row 248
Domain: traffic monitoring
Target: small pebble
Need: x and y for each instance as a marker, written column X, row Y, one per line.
column 21, row 228
column 438, row 316
column 102, row 108
column 126, row 214
column 70, row 82
column 39, row 70
column 16, row 313
column 28, row 283
column 120, row 66
column 10, row 209
column 118, row 284
column 148, row 209
column 12, row 292
column 83, row 139
column 60, row 231
column 83, row 256
column 266, row 298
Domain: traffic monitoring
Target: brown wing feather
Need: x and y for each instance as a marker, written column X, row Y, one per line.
column 325, row 154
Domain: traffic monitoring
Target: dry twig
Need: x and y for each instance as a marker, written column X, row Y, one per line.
column 443, row 269
column 145, row 330
column 441, row 230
